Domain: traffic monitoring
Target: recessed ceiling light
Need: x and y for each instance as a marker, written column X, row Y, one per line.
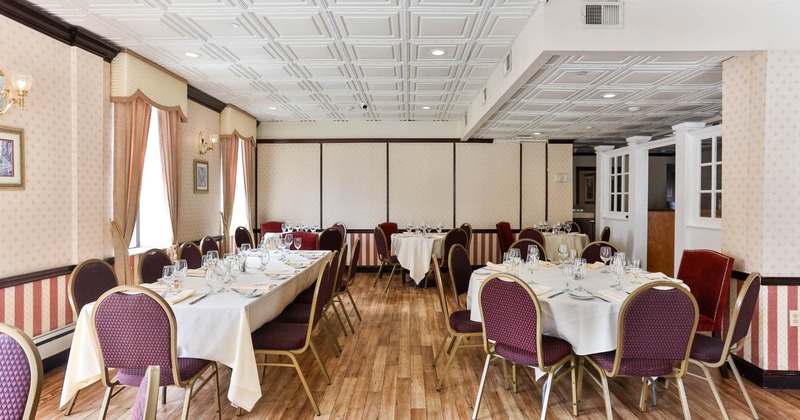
column 191, row 55
column 272, row 107
column 426, row 107
column 588, row 127
column 537, row 134
column 437, row 52
column 581, row 73
column 610, row 95
column 633, row 108
column 235, row 25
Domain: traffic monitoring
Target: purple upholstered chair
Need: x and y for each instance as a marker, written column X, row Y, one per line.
column 467, row 228
column 605, row 235
column 711, row 352
column 656, row 325
column 531, row 233
column 460, row 272
column 242, row 235
column 574, row 226
column 592, row 251
column 135, row 328
column 342, row 229
column 512, row 331
column 457, row 323
column 191, row 253
column 382, row 245
column 453, row 237
column 291, row 339
column 20, row 374
column 208, row 244
column 522, row 245
column 351, row 275
column 88, row 281
column 151, row 265
column 504, row 236
column 331, row 239
column 146, row 404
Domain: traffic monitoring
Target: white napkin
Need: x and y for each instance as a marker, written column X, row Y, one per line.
column 541, row 289
column 546, row 264
column 612, row 295
column 655, row 276
column 496, row 267
column 180, row 297
column 196, row 272
column 281, row 272
column 156, row 287
column 595, row 265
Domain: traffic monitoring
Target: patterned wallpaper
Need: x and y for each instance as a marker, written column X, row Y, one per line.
column 560, row 195
column 534, row 173
column 487, row 184
column 354, row 184
column 421, row 183
column 288, row 183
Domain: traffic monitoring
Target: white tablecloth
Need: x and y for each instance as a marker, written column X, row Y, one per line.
column 414, row 252
column 576, row 241
column 589, row 325
column 217, row 328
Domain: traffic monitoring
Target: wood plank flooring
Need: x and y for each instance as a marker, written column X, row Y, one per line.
column 385, row 372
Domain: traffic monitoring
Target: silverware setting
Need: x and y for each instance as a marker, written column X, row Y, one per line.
column 555, row 294
column 205, row 295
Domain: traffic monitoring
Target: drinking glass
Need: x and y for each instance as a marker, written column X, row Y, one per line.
column 516, row 258
column 533, row 264
column 568, row 271
column 283, row 227
column 298, row 241
column 244, row 248
column 563, row 251
column 617, row 271
column 213, row 257
column 573, row 255
column 636, row 267
column 167, row 275
column 439, row 227
column 605, row 255
column 212, row 281
column 181, row 269
column 533, row 250
column 287, row 240
column 580, row 272
column 234, row 271
column 568, row 227
column 263, row 256
column 507, row 261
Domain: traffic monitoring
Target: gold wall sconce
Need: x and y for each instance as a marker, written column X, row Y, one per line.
column 204, row 145
column 20, row 84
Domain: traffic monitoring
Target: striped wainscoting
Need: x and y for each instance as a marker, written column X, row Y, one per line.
column 484, row 248
column 37, row 307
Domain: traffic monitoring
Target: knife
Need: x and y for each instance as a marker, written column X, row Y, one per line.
column 205, row 295
column 555, row 294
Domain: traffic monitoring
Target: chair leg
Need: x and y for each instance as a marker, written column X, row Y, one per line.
column 353, row 302
column 337, row 349
column 450, row 359
column 480, row 387
column 377, row 276
column 606, row 396
column 514, row 378
column 506, row 381
column 441, row 348
column 344, row 310
column 338, row 316
column 305, row 384
column 319, row 362
column 546, row 394
column 71, row 404
column 741, row 386
column 390, row 279
column 643, row 395
column 579, row 387
column 714, row 391
column 684, row 403
column 216, row 392
column 106, row 400
column 653, row 382
column 187, row 399
column 574, row 375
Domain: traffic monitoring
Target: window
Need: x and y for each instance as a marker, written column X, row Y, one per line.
column 711, row 177
column 153, row 226
column 619, row 184
column 239, row 216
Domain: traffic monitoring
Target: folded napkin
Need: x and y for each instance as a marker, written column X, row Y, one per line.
column 300, row 264
column 612, row 295
column 253, row 286
column 281, row 272
column 595, row 265
column 180, row 297
column 655, row 276
column 496, row 267
column 546, row 263
column 156, row 287
column 541, row 289
column 196, row 272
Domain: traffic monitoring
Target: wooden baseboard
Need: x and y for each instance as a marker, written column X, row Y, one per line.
column 55, row 360
column 768, row 379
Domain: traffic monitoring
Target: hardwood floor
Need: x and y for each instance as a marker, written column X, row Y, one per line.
column 385, row 372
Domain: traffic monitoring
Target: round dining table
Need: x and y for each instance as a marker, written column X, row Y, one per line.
column 574, row 241
column 414, row 252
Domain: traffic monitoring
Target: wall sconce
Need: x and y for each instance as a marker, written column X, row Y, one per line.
column 206, row 146
column 21, row 86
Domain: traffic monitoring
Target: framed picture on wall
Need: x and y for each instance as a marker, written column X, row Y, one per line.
column 12, row 174
column 585, row 185
column 200, row 176
column 589, row 188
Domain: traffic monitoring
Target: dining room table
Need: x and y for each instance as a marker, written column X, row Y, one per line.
column 414, row 251
column 214, row 327
column 587, row 319
column 574, row 241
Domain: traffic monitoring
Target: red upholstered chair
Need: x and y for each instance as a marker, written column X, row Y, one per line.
column 21, row 374
column 208, row 244
column 512, row 331
column 708, row 275
column 531, row 233
column 331, row 239
column 389, row 229
column 192, row 254
column 466, row 227
column 382, row 246
column 505, row 236
column 308, row 240
column 151, row 265
column 271, row 227
column 242, row 235
column 605, row 235
column 146, row 405
column 592, row 251
column 522, row 245
column 711, row 352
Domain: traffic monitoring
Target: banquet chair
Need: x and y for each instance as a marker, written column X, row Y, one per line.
column 342, row 229
column 522, row 245
column 453, row 237
column 383, row 255
column 21, row 374
column 512, row 331
column 460, row 272
column 341, row 284
column 605, row 235
column 592, row 251
column 88, row 281
column 208, row 244
column 531, row 233
column 574, row 226
column 271, row 227
column 711, row 352
column 351, row 275
column 308, row 240
column 389, row 229
column 708, row 275
column 457, row 324
column 151, row 265
column 504, row 236
column 467, row 228
column 135, row 328
column 146, row 404
column 242, row 235
column 191, row 253
column 331, row 239
column 292, row 339
column 656, row 324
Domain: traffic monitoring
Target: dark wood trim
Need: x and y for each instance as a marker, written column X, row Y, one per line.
column 320, row 185
column 369, row 140
column 37, row 19
column 202, row 98
column 41, row 275
column 769, row 379
column 387, row 183
column 473, row 140
column 560, row 141
column 768, row 280
column 584, row 154
column 56, row 360
column 546, row 181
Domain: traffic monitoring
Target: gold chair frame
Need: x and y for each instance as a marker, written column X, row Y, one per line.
column 530, row 241
column 34, row 364
column 144, row 257
column 188, row 245
column 380, row 269
column 151, row 397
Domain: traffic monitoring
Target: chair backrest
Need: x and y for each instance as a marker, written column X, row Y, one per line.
column 271, row 227
column 708, row 274
column 381, row 243
column 324, row 291
column 88, row 281
column 208, row 244
column 21, row 374
column 467, row 228
column 743, row 311
column 135, row 328
column 308, row 240
column 146, row 404
column 191, row 253
column 605, row 235
column 330, row 239
column 531, row 233
column 656, row 322
column 575, row 227
column 442, row 296
column 522, row 245
column 341, row 228
column 592, row 251
column 351, row 269
column 389, row 229
column 505, row 236
column 242, row 236
column 510, row 313
column 151, row 265
column 453, row 237
column 460, row 269
column 341, row 274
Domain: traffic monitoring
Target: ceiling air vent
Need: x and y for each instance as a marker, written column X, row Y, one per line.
column 607, row 14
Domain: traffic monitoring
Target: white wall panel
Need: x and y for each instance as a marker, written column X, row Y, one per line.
column 288, row 183
column 421, row 183
column 354, row 184
column 559, row 193
column 534, row 183
column 487, row 184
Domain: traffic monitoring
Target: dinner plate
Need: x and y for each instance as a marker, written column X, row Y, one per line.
column 482, row 271
column 251, row 293
column 580, row 294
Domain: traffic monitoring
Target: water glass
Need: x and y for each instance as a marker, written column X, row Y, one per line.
column 181, row 269
column 213, row 257
column 605, row 255
column 533, row 250
column 563, row 251
column 167, row 275
column 298, row 242
column 244, row 248
column 263, row 256
column 617, row 271
column 212, row 281
column 507, row 261
column 288, row 240
column 569, row 274
column 636, row 267
column 532, row 263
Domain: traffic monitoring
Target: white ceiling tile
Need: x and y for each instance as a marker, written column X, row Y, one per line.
column 374, row 52
column 442, row 26
column 155, row 28
column 386, row 98
column 504, row 25
column 447, row 3
column 324, row 71
column 433, row 72
column 312, row 51
column 383, row 86
column 371, row 26
column 490, row 52
column 296, row 25
column 642, row 77
column 478, row 71
column 378, row 71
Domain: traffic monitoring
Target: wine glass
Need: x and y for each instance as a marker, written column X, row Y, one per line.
column 636, row 267
column 439, row 227
column 516, row 258
column 264, row 256
column 569, row 274
column 213, row 257
column 283, row 227
column 298, row 241
column 580, row 272
column 617, row 271
column 568, row 227
column 167, row 275
column 605, row 255
column 563, row 251
column 533, row 250
column 211, row 281
column 507, row 261
column 533, row 265
column 245, row 248
column 288, row 240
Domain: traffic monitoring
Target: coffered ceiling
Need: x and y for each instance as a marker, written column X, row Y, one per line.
column 318, row 60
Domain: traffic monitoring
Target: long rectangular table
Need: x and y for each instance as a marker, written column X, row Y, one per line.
column 216, row 328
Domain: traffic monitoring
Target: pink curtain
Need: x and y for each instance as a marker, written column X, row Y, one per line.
column 169, row 135
column 248, row 152
column 229, row 154
column 131, row 125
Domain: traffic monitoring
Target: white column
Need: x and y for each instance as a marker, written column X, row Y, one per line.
column 602, row 189
column 638, row 161
column 685, row 160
